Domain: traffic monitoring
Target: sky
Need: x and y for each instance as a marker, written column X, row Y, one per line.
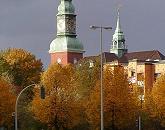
column 31, row 24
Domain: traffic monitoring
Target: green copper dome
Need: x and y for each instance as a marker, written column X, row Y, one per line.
column 63, row 44
column 66, row 7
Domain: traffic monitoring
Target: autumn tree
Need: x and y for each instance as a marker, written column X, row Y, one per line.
column 7, row 103
column 155, row 103
column 60, row 108
column 88, row 72
column 3, row 65
column 120, row 106
column 23, row 69
column 22, row 65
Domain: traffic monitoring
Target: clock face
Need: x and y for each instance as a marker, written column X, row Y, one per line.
column 71, row 25
column 61, row 25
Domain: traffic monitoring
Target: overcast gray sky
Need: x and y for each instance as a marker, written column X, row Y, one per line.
column 31, row 24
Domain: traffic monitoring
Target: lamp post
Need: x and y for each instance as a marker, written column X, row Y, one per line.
column 101, row 72
column 141, row 98
column 140, row 115
column 16, row 104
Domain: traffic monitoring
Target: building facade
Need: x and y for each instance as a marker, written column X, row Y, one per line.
column 142, row 67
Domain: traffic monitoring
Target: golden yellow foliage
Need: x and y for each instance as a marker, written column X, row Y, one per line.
column 60, row 108
column 7, row 103
column 120, row 106
column 87, row 76
column 155, row 102
column 23, row 69
column 23, row 66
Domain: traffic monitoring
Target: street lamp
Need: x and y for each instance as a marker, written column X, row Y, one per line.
column 16, row 104
column 141, row 97
column 101, row 72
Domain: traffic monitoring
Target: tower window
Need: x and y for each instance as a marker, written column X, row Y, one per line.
column 115, row 44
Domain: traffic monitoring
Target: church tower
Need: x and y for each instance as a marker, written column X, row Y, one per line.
column 118, row 43
column 66, row 48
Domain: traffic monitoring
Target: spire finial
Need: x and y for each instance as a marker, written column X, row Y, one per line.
column 118, row 7
column 118, row 10
column 66, row 7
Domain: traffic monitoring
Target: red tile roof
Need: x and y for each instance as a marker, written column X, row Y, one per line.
column 143, row 56
column 140, row 56
column 107, row 57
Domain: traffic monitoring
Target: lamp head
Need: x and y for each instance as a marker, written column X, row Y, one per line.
column 108, row 28
column 93, row 27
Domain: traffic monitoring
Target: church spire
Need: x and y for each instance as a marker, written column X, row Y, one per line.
column 118, row 43
column 118, row 26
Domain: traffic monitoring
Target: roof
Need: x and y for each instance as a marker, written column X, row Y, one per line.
column 107, row 57
column 66, row 43
column 142, row 56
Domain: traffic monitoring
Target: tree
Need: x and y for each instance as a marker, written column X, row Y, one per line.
column 155, row 102
column 7, row 103
column 3, row 65
column 22, row 65
column 88, row 73
column 120, row 106
column 60, row 108
column 23, row 69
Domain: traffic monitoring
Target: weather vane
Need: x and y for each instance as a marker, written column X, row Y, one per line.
column 119, row 6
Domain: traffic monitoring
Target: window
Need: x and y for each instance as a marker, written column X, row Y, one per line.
column 91, row 64
column 156, row 75
column 115, row 44
column 132, row 73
